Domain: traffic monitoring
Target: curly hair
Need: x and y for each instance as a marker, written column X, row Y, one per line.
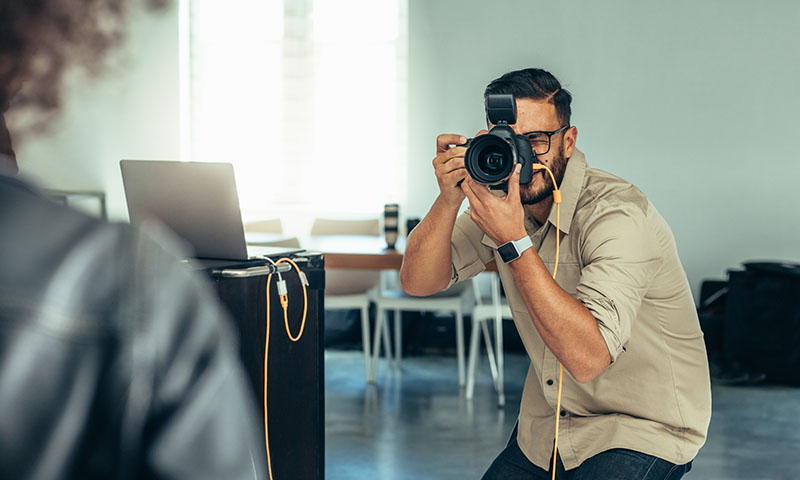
column 42, row 40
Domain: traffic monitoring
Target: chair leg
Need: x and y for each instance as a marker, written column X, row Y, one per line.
column 387, row 343
column 398, row 338
column 474, row 338
column 498, row 335
column 365, row 337
column 460, row 346
column 490, row 353
column 376, row 344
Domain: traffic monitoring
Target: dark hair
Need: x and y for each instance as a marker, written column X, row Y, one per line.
column 41, row 40
column 536, row 84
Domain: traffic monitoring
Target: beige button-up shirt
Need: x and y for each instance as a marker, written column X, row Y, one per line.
column 618, row 258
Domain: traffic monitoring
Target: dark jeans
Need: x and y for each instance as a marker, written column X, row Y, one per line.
column 616, row 464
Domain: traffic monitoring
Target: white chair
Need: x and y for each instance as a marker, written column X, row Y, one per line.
column 274, row 228
column 336, row 226
column 456, row 300
column 288, row 242
column 272, row 225
column 488, row 306
column 353, row 289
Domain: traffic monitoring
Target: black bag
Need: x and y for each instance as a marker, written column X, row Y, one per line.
column 762, row 328
column 711, row 312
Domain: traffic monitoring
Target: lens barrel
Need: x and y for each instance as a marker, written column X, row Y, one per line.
column 489, row 159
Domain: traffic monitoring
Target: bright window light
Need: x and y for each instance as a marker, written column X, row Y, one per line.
column 307, row 98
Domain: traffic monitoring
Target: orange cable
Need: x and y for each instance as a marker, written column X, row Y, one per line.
column 285, row 305
column 557, row 201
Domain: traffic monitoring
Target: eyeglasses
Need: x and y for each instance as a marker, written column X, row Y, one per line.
column 540, row 141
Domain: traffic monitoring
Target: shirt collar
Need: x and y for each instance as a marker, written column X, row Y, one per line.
column 571, row 186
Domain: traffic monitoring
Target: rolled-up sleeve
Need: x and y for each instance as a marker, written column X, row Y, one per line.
column 469, row 256
column 620, row 257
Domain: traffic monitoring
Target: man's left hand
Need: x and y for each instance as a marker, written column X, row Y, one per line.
column 502, row 218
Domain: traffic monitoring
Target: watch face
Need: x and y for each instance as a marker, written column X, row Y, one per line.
column 508, row 251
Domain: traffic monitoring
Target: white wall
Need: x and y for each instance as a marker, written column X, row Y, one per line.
column 132, row 112
column 697, row 103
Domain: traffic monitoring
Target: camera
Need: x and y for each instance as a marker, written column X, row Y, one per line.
column 491, row 158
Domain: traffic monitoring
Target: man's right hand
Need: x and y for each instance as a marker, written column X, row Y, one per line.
column 449, row 167
column 427, row 266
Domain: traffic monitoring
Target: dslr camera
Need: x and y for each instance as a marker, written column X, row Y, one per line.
column 491, row 158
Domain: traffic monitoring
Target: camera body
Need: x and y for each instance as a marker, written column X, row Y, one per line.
column 490, row 159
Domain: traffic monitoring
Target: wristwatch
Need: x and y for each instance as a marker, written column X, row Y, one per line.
column 512, row 250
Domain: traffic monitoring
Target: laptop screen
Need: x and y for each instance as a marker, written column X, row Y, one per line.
column 197, row 200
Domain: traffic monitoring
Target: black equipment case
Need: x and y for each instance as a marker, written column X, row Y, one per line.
column 762, row 328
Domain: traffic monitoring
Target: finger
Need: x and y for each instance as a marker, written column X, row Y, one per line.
column 513, row 184
column 466, row 186
column 444, row 141
column 452, row 165
column 452, row 178
column 481, row 192
column 444, row 157
column 482, row 132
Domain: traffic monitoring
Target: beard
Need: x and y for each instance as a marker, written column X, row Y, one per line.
column 530, row 195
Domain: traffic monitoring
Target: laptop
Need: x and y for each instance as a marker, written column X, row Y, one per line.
column 199, row 202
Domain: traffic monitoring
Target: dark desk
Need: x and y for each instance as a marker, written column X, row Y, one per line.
column 295, row 389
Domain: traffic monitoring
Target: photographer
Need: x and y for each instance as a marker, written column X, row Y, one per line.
column 619, row 316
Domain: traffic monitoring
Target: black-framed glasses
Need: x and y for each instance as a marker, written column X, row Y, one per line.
column 540, row 140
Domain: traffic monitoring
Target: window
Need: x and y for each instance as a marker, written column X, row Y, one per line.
column 307, row 99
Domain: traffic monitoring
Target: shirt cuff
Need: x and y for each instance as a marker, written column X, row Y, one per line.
column 605, row 313
column 465, row 272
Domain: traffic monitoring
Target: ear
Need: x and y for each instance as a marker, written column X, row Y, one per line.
column 570, row 137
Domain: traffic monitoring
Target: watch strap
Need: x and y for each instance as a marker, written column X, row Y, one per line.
column 511, row 251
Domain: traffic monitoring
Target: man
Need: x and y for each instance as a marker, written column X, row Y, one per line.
column 619, row 316
column 115, row 361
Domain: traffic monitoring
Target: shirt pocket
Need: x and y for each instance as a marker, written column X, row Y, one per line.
column 568, row 275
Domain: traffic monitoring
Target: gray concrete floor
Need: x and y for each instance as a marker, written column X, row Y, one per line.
column 416, row 424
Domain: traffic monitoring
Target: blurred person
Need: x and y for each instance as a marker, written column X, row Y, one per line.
column 620, row 317
column 115, row 360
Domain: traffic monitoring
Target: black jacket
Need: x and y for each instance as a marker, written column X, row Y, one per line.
column 115, row 361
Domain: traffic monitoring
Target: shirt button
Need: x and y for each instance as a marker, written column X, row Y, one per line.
column 549, row 382
column 563, row 413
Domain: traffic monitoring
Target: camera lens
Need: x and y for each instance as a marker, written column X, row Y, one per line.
column 491, row 162
column 489, row 159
